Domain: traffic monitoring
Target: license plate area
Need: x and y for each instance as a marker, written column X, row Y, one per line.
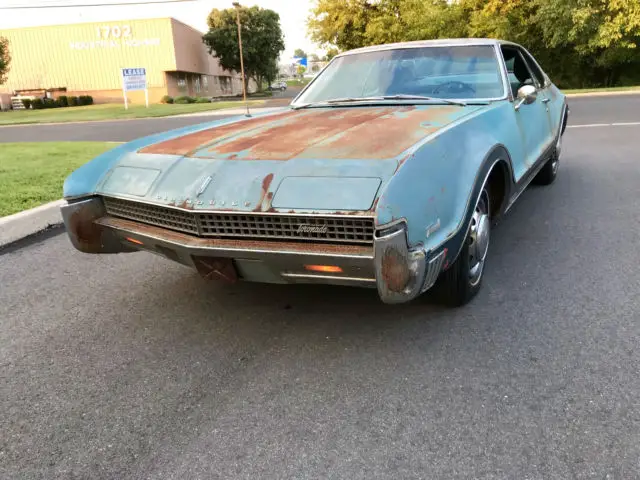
column 216, row 268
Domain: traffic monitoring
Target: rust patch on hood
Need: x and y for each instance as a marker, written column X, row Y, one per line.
column 289, row 139
column 351, row 132
column 266, row 183
column 186, row 143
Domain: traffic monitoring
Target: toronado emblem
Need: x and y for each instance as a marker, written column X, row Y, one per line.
column 305, row 228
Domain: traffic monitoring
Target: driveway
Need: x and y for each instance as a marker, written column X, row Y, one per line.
column 129, row 366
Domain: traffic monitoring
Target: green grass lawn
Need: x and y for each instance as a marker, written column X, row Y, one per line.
column 110, row 111
column 298, row 82
column 32, row 173
column 598, row 90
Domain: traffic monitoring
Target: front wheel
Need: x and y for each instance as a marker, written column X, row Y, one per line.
column 461, row 282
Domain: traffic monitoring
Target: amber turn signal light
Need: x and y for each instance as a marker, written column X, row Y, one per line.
column 133, row 240
column 324, row 268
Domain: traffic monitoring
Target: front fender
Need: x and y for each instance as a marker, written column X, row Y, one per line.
column 436, row 187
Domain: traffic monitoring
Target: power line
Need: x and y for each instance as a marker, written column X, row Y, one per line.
column 146, row 2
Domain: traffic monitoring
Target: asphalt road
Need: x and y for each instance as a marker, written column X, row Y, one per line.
column 584, row 110
column 120, row 130
column 129, row 366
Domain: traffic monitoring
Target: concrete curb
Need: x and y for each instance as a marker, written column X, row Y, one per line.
column 24, row 224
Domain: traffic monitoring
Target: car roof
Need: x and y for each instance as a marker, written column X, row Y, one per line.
column 443, row 42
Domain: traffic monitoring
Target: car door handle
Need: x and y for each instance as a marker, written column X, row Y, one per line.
column 546, row 100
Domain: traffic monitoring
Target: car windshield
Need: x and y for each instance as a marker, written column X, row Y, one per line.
column 447, row 72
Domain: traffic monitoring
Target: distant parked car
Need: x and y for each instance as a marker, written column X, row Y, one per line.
column 282, row 86
column 387, row 171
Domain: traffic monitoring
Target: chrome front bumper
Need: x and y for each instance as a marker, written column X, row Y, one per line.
column 400, row 274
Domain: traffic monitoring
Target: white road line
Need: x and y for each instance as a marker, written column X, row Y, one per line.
column 595, row 125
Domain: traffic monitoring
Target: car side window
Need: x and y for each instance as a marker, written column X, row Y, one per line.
column 517, row 69
column 533, row 67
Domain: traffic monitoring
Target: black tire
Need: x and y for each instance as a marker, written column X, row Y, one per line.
column 456, row 286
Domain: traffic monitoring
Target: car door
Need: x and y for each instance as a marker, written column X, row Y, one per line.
column 553, row 106
column 532, row 119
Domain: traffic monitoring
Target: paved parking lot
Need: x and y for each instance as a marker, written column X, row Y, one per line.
column 129, row 366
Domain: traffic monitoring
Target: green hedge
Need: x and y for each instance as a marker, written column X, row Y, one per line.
column 184, row 99
column 62, row 101
column 167, row 99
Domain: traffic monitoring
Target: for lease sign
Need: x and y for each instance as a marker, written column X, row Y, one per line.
column 134, row 79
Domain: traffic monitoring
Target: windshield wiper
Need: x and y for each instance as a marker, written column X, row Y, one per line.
column 334, row 101
column 422, row 97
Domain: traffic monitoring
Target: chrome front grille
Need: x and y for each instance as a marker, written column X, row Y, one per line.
column 343, row 229
column 153, row 215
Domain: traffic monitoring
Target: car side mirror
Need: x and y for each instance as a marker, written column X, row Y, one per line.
column 527, row 94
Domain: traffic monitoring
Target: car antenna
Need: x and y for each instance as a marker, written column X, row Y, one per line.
column 244, row 83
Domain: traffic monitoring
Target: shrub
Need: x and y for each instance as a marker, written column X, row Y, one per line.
column 72, row 101
column 49, row 103
column 184, row 99
column 85, row 100
column 202, row 100
column 37, row 104
column 27, row 103
column 167, row 99
column 62, row 101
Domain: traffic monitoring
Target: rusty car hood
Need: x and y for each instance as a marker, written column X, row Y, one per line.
column 329, row 159
column 323, row 133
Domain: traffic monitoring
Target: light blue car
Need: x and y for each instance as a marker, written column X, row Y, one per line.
column 387, row 171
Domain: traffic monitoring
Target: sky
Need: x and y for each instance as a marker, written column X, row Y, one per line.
column 293, row 14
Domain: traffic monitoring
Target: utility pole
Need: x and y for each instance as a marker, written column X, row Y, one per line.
column 244, row 83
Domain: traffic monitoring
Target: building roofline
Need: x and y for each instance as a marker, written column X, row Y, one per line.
column 101, row 21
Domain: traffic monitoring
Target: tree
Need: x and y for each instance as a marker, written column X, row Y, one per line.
column 604, row 35
column 340, row 22
column 314, row 57
column 580, row 43
column 5, row 59
column 299, row 53
column 262, row 41
column 301, row 69
column 315, row 68
column 331, row 52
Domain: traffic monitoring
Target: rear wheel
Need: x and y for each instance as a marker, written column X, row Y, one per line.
column 461, row 282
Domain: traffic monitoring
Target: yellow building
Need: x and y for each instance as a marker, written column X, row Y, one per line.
column 87, row 58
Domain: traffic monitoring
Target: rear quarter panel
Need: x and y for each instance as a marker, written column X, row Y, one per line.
column 433, row 185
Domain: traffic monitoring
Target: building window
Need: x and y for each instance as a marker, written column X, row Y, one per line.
column 197, row 85
column 205, row 82
column 225, row 84
column 182, row 85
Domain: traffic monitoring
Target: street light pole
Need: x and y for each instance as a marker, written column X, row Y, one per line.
column 244, row 83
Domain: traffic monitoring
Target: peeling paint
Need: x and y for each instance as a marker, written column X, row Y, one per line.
column 327, row 133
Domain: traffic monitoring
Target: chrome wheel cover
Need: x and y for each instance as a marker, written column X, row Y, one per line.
column 479, row 236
